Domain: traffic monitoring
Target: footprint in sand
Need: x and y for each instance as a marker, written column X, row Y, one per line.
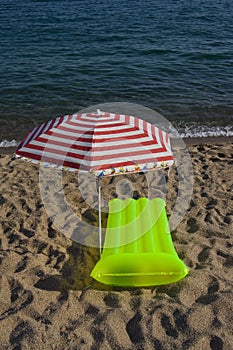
column 22, row 264
column 27, row 233
column 52, row 233
column 55, row 257
column 192, row 225
column 134, row 329
column 211, row 295
column 21, row 332
column 180, row 321
column 216, row 343
column 212, row 203
column 20, row 299
column 208, row 218
column 111, row 300
column 205, row 176
column 228, row 258
column 227, row 219
column 204, row 255
column 2, row 200
column 14, row 237
column 169, row 329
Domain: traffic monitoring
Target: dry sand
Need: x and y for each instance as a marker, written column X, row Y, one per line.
column 49, row 301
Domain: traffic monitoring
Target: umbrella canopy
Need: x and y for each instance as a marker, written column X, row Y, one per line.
column 103, row 143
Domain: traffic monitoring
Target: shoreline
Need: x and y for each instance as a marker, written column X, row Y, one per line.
column 189, row 141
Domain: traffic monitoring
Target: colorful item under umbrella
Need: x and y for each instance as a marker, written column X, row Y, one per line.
column 104, row 143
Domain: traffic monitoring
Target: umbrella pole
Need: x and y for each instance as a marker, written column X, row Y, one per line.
column 100, row 224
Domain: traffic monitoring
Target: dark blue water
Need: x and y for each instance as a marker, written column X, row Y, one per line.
column 174, row 56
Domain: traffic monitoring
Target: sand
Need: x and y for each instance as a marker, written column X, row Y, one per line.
column 49, row 301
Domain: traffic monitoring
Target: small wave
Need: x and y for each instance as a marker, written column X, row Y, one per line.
column 206, row 131
column 190, row 131
column 6, row 143
column 196, row 130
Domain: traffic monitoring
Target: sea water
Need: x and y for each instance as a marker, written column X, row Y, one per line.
column 60, row 56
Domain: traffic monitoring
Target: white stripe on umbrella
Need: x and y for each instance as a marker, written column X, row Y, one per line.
column 103, row 150
column 104, row 163
column 101, row 140
column 81, row 133
column 68, row 129
column 55, row 139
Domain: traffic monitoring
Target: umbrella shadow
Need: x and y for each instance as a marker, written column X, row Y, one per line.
column 75, row 273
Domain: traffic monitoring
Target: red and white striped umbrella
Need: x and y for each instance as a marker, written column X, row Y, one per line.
column 104, row 143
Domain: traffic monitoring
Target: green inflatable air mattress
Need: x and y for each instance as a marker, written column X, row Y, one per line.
column 138, row 249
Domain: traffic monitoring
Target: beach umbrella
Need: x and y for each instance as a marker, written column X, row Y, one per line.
column 104, row 143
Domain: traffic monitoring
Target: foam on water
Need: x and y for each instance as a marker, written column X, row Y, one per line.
column 6, row 143
column 201, row 131
column 206, row 131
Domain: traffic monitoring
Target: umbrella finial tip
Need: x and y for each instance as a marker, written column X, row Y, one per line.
column 98, row 111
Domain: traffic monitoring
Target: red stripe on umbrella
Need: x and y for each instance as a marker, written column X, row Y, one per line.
column 106, row 139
